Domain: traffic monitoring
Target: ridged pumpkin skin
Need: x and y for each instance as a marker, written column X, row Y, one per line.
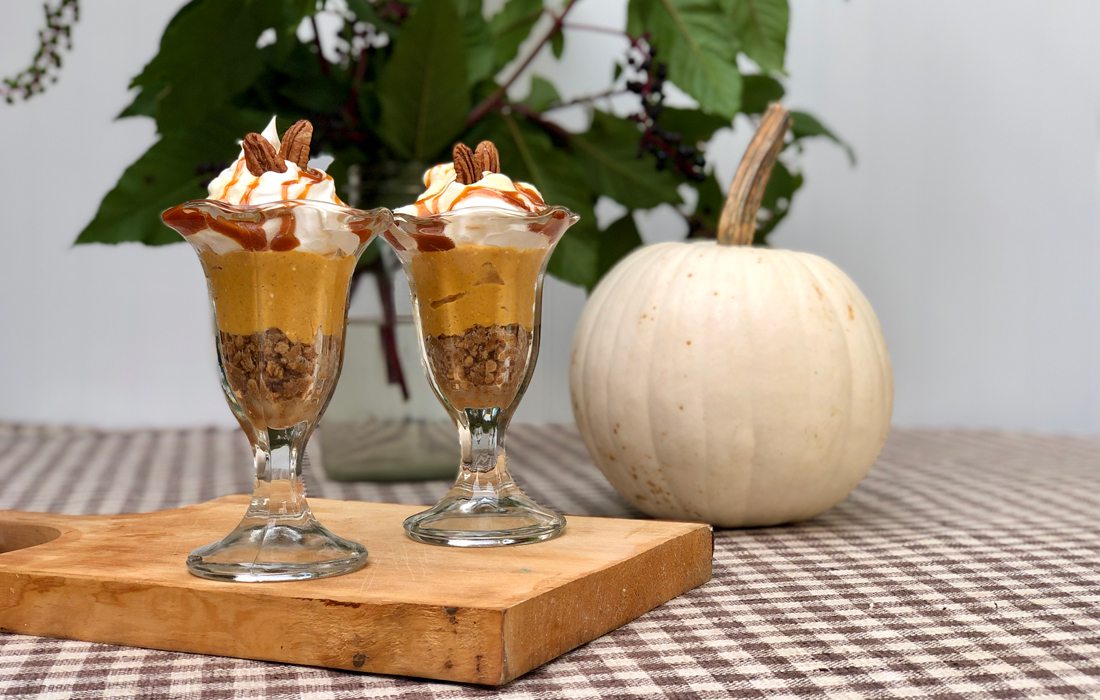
column 738, row 386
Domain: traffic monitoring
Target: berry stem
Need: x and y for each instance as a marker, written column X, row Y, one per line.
column 580, row 26
column 496, row 99
column 586, row 99
column 325, row 67
column 553, row 130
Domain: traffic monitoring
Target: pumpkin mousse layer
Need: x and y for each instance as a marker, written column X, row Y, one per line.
column 474, row 246
column 278, row 250
column 298, row 292
column 476, row 285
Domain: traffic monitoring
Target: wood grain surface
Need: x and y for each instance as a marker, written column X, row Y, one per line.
column 479, row 616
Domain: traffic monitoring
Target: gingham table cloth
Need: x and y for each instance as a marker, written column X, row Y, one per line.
column 966, row 565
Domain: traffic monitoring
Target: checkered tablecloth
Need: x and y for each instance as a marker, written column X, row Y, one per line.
column 966, row 565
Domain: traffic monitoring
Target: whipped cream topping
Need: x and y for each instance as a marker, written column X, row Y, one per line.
column 236, row 185
column 313, row 231
column 445, row 194
column 302, row 212
column 469, row 210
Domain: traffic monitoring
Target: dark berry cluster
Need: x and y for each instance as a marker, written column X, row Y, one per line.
column 56, row 37
column 393, row 11
column 647, row 81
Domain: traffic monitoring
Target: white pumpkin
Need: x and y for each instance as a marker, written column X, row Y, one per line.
column 734, row 385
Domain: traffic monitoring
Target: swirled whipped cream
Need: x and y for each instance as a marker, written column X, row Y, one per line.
column 443, row 193
column 293, row 210
column 236, row 185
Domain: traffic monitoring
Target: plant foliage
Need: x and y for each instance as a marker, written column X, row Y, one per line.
column 400, row 81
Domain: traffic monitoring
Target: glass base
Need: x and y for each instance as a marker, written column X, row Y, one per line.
column 276, row 549
column 467, row 521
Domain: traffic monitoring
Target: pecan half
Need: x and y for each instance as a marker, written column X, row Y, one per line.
column 295, row 145
column 487, row 158
column 260, row 155
column 466, row 170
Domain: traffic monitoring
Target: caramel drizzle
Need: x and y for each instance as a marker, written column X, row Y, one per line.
column 534, row 196
column 285, row 238
column 233, row 180
column 248, row 192
column 514, row 198
column 313, row 176
column 526, row 198
column 249, row 235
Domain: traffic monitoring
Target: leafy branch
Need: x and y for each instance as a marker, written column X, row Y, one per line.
column 495, row 100
column 401, row 80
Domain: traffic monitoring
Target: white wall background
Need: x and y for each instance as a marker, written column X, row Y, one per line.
column 972, row 221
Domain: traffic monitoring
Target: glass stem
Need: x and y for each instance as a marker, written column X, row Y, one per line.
column 484, row 468
column 279, row 492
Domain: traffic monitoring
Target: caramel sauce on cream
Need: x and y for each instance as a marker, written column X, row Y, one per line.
column 285, row 239
column 513, row 198
column 523, row 198
column 248, row 192
column 232, row 181
column 248, row 234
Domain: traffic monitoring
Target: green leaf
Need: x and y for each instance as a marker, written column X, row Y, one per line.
column 527, row 154
column 207, row 55
column 759, row 91
column 584, row 256
column 703, row 221
column 478, row 40
column 422, row 89
column 776, row 203
column 576, row 259
column 511, row 26
column 557, row 44
column 368, row 11
column 774, row 207
column 608, row 159
column 761, row 25
column 144, row 103
column 696, row 38
column 805, row 125
column 615, row 243
column 542, row 94
column 693, row 126
column 165, row 175
column 300, row 81
column 363, row 10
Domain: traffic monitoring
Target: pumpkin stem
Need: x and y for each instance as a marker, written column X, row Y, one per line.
column 737, row 225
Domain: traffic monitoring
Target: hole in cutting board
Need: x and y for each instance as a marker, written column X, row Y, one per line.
column 15, row 536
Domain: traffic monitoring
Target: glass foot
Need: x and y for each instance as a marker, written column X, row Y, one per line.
column 277, row 549
column 469, row 521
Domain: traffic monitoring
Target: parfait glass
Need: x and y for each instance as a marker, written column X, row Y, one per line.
column 476, row 283
column 278, row 276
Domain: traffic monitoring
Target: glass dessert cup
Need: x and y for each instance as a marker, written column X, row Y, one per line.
column 278, row 276
column 476, row 285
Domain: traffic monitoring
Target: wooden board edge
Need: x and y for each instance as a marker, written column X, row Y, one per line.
column 670, row 569
column 392, row 639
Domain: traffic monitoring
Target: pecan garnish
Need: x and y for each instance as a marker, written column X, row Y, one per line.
column 295, row 145
column 466, row 170
column 487, row 158
column 260, row 155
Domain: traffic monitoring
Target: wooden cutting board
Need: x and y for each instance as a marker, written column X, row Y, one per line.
column 478, row 616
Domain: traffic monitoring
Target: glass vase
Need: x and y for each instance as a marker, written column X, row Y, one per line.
column 379, row 427
column 278, row 276
column 475, row 280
